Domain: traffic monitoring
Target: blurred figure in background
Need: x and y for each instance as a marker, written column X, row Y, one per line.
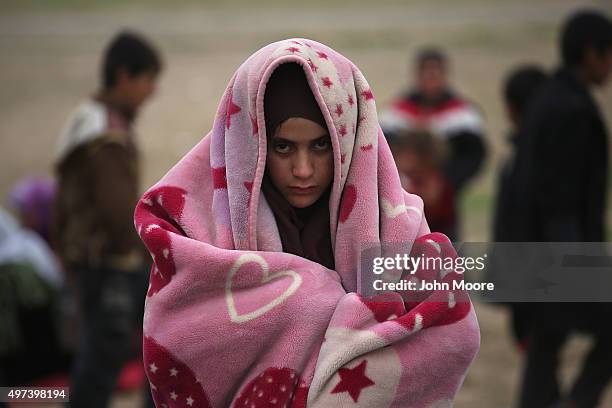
column 33, row 199
column 420, row 158
column 519, row 89
column 98, row 186
column 433, row 105
column 30, row 285
column 561, row 171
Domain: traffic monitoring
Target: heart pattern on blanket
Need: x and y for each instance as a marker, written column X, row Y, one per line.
column 393, row 211
column 157, row 215
column 173, row 384
column 349, row 198
column 274, row 387
column 266, row 277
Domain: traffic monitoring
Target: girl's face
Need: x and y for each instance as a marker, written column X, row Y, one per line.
column 300, row 161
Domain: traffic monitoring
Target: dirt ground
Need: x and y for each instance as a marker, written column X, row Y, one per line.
column 49, row 62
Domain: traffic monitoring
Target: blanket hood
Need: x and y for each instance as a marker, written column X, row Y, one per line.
column 344, row 97
column 238, row 141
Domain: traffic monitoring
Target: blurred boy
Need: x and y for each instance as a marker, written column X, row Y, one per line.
column 98, row 187
column 561, row 171
column 519, row 89
column 434, row 106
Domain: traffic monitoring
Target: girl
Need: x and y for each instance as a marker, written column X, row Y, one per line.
column 255, row 297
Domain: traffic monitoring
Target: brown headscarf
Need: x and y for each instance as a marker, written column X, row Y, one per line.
column 303, row 231
column 288, row 95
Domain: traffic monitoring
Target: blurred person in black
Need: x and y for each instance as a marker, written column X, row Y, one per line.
column 98, row 186
column 519, row 89
column 433, row 105
column 561, row 172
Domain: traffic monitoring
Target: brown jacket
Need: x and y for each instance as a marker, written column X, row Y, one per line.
column 98, row 187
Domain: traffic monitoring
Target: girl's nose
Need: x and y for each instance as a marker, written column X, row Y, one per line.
column 302, row 166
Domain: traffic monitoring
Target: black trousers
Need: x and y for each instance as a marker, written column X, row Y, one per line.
column 112, row 307
column 552, row 325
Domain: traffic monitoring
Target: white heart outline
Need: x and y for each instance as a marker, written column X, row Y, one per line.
column 435, row 245
column 393, row 212
column 266, row 277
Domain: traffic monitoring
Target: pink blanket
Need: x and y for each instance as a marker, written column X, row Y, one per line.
column 230, row 320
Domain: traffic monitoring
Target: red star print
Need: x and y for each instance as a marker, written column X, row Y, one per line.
column 327, row 82
column 342, row 130
column 322, row 55
column 367, row 147
column 232, row 108
column 312, row 65
column 293, row 49
column 339, row 110
column 254, row 124
column 353, row 381
column 368, row 94
column 350, row 100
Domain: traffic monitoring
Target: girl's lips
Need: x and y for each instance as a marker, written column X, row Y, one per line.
column 303, row 190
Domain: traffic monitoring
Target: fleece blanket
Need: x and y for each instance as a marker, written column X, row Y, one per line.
column 232, row 321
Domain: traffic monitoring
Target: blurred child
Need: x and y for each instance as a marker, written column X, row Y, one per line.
column 433, row 105
column 420, row 159
column 98, row 186
column 33, row 199
column 519, row 88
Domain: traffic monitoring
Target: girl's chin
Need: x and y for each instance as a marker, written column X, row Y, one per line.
column 302, row 201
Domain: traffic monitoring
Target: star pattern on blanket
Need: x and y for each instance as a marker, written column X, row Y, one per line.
column 342, row 130
column 353, row 380
column 367, row 94
column 312, row 65
column 339, row 110
column 173, row 384
column 232, row 109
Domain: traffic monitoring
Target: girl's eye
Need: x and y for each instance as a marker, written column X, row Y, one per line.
column 282, row 148
column 322, row 145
